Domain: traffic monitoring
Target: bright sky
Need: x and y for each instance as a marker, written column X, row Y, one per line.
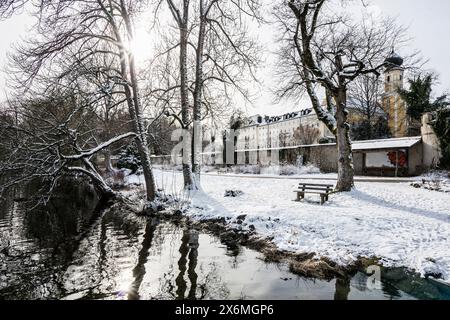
column 428, row 24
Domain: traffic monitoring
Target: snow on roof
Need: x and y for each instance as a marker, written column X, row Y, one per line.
column 395, row 143
column 266, row 120
column 386, row 143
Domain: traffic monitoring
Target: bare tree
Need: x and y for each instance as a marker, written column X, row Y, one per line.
column 365, row 107
column 305, row 135
column 80, row 30
column 325, row 49
column 221, row 49
column 181, row 16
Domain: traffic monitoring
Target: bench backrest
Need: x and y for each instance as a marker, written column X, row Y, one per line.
column 316, row 186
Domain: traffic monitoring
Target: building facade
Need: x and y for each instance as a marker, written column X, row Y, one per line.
column 299, row 137
column 297, row 128
column 291, row 129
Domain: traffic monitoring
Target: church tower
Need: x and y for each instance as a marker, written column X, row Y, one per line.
column 393, row 104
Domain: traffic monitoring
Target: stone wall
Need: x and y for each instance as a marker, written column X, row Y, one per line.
column 358, row 163
column 325, row 157
column 430, row 143
column 415, row 161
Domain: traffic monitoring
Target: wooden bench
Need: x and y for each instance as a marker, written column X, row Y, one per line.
column 324, row 190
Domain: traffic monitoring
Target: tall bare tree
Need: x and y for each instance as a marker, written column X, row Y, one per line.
column 325, row 49
column 181, row 16
column 222, row 50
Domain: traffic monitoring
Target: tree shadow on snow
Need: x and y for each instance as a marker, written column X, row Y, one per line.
column 383, row 203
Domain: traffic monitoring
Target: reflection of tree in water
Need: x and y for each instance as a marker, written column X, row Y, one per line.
column 360, row 280
column 236, row 258
column 139, row 271
column 68, row 213
column 180, row 281
column 104, row 256
column 212, row 286
column 397, row 280
column 185, row 278
column 181, row 277
column 342, row 288
column 193, row 260
column 390, row 291
column 188, row 249
column 44, row 239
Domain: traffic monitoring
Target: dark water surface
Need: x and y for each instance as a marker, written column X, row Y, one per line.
column 71, row 251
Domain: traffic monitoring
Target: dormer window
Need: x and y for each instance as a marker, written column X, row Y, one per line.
column 389, row 79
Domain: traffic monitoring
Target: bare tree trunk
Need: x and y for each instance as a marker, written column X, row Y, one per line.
column 144, row 155
column 142, row 140
column 135, row 109
column 100, row 185
column 187, row 172
column 102, row 188
column 197, row 128
column 345, row 158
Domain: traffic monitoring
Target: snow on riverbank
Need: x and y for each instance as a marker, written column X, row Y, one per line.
column 402, row 225
column 435, row 180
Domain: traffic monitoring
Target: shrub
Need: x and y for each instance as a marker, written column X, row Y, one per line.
column 129, row 159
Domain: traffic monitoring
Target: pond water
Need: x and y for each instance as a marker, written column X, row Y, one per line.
column 71, row 251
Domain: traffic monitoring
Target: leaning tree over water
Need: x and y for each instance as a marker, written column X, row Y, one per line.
column 70, row 33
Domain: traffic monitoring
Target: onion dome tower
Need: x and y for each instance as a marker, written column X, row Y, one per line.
column 393, row 104
column 393, row 73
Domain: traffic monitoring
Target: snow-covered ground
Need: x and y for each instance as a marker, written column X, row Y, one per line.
column 285, row 172
column 435, row 180
column 402, row 225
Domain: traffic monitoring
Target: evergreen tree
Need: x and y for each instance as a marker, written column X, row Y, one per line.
column 367, row 130
column 419, row 99
column 129, row 158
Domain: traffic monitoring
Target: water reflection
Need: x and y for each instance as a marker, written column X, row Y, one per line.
column 139, row 271
column 342, row 289
column 36, row 244
column 71, row 251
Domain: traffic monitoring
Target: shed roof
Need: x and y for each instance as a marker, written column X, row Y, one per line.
column 386, row 143
column 382, row 144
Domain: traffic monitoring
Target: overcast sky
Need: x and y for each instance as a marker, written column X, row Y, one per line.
column 428, row 22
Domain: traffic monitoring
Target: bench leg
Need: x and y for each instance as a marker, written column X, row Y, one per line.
column 300, row 196
column 322, row 199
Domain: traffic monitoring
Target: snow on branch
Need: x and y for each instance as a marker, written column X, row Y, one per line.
column 89, row 153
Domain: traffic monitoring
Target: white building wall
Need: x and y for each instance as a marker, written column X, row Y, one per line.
column 260, row 135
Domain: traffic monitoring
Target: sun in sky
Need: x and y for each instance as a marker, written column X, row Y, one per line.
column 141, row 45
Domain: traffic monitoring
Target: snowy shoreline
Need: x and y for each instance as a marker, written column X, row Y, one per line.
column 401, row 225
